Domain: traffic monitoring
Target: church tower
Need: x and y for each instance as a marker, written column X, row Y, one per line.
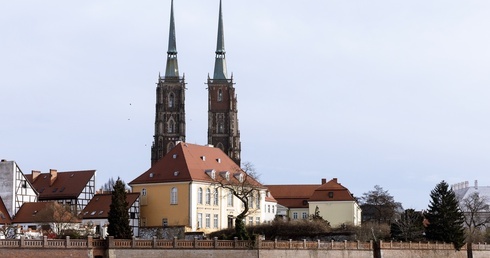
column 170, row 105
column 222, row 107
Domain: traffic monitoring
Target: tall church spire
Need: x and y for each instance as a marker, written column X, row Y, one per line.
column 170, row 102
column 220, row 62
column 172, row 69
column 223, row 129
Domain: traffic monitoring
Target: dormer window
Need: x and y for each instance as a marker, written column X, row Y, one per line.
column 174, row 156
column 211, row 173
column 203, row 158
column 225, row 175
column 218, row 160
column 239, row 177
column 151, row 174
column 176, row 173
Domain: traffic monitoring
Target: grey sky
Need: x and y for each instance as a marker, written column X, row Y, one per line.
column 393, row 93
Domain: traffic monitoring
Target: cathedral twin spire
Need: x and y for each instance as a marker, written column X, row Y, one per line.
column 222, row 107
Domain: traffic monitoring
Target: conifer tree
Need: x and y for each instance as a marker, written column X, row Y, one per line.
column 118, row 213
column 445, row 217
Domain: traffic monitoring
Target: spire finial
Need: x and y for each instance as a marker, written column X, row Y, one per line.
column 220, row 63
column 172, row 65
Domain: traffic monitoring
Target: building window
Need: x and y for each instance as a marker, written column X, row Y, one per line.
column 143, row 192
column 221, row 127
column 215, row 220
column 273, row 208
column 220, row 95
column 268, row 208
column 165, row 222
column 215, row 197
column 199, row 195
column 251, row 201
column 295, row 215
column 208, row 220
column 208, row 196
column 173, row 196
column 257, row 221
column 330, row 194
column 171, row 100
column 304, row 215
column 258, row 200
column 199, row 220
column 171, row 126
column 230, row 199
column 250, row 221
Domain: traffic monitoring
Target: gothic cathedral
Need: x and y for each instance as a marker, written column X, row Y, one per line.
column 170, row 102
column 223, row 129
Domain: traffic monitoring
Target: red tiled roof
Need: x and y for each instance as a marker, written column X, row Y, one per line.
column 98, row 207
column 292, row 196
column 34, row 212
column 189, row 162
column 67, row 185
column 4, row 214
column 297, row 196
column 332, row 191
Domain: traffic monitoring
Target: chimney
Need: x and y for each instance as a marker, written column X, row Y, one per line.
column 324, row 181
column 53, row 175
column 476, row 184
column 35, row 174
column 335, row 179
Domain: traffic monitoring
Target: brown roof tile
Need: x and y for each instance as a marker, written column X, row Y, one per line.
column 297, row 196
column 34, row 212
column 98, row 207
column 67, row 185
column 4, row 214
column 188, row 162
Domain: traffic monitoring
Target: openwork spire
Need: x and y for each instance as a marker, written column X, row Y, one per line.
column 172, row 69
column 220, row 63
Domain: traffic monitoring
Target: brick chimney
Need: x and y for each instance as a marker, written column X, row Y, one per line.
column 53, row 175
column 324, row 181
column 35, row 174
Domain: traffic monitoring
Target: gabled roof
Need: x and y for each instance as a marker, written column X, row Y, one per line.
column 66, row 185
column 292, row 196
column 4, row 214
column 190, row 162
column 35, row 212
column 298, row 196
column 98, row 207
column 332, row 191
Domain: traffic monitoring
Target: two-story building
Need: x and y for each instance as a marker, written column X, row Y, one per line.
column 334, row 202
column 181, row 189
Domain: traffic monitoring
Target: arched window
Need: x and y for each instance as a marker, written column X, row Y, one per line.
column 199, row 195
column 221, row 126
column 215, row 197
column 208, row 196
column 170, row 146
column 220, row 95
column 230, row 198
column 171, row 126
column 171, row 100
column 220, row 146
column 173, row 195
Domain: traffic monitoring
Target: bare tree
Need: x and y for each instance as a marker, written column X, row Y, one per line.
column 379, row 206
column 244, row 185
column 58, row 216
column 7, row 230
column 477, row 215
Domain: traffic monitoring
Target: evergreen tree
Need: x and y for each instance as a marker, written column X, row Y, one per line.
column 118, row 213
column 445, row 217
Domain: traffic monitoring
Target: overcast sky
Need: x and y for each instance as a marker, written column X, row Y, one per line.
column 394, row 93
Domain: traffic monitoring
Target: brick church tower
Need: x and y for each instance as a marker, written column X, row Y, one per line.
column 223, row 129
column 170, row 102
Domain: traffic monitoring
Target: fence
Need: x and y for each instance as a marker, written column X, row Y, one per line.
column 175, row 243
